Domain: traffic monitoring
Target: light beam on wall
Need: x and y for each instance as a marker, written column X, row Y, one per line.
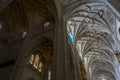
column 81, row 57
column 78, row 46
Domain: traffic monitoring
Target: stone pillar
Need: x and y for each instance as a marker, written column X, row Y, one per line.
column 77, row 66
column 60, row 51
column 22, row 58
column 62, row 55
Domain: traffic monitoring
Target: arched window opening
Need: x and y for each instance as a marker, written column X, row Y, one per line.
column 24, row 33
column 32, row 59
column 40, row 67
column 41, row 58
column 49, row 75
column 46, row 24
column 36, row 62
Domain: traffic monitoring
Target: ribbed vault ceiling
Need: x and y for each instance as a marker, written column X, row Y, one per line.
column 92, row 26
column 89, row 25
column 19, row 15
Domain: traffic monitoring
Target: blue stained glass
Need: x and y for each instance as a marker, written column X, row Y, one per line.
column 71, row 37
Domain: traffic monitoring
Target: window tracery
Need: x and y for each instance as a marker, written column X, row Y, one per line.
column 41, row 58
column 40, row 67
column 32, row 59
column 36, row 62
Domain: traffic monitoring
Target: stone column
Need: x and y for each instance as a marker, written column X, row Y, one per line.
column 60, row 51
column 23, row 57
column 19, row 66
column 61, row 54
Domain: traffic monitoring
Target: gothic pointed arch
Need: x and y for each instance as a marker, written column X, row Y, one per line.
column 91, row 29
column 41, row 57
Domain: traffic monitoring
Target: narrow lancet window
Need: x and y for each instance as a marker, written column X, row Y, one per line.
column 49, row 75
column 36, row 63
column 40, row 66
column 32, row 59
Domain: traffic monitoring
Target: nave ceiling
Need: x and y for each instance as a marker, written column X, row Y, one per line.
column 20, row 15
column 93, row 31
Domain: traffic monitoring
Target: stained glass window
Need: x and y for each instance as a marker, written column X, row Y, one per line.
column 36, row 62
column 24, row 33
column 46, row 25
column 40, row 67
column 32, row 58
column 72, row 28
column 49, row 75
column 41, row 58
column 71, row 37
